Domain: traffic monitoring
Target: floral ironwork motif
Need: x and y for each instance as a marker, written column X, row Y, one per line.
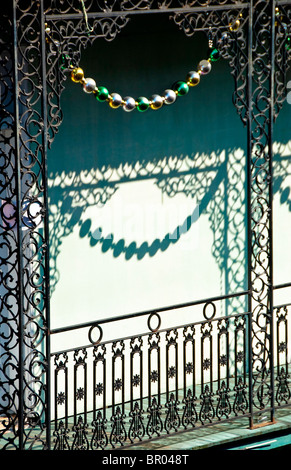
column 172, row 372
column 223, row 360
column 136, row 380
column 80, row 393
column 206, row 364
column 282, row 347
column 189, row 367
column 240, row 356
column 99, row 389
column 118, row 385
column 154, row 376
column 61, row 397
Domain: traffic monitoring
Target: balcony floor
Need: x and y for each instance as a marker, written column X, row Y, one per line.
column 222, row 434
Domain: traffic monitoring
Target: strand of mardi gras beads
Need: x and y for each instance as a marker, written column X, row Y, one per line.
column 115, row 100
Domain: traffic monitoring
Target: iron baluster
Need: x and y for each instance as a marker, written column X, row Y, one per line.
column 283, row 393
column 99, row 438
column 136, row 378
column 206, row 362
column 189, row 414
column 80, row 437
column 61, row 434
column 99, row 388
column 223, row 408
column 189, row 366
column 172, row 370
column 118, row 434
column 154, row 374
column 172, row 420
column 155, row 424
column 80, row 392
column 207, row 411
column 240, row 404
column 223, row 359
column 282, row 338
column 61, row 397
column 240, row 355
column 136, row 429
column 118, row 383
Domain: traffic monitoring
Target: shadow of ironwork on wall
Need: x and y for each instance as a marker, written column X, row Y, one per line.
column 216, row 182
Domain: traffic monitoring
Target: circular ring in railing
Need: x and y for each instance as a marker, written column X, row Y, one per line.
column 154, row 314
column 206, row 307
column 91, row 331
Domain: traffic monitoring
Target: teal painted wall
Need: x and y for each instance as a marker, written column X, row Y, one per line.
column 123, row 185
column 282, row 199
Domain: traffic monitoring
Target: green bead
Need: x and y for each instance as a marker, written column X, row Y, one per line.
column 142, row 104
column 213, row 55
column 288, row 44
column 181, row 88
column 102, row 93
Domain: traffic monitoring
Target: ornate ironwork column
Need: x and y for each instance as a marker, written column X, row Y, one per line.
column 25, row 398
column 265, row 95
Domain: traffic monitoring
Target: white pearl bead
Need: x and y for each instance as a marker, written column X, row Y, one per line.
column 89, row 85
column 170, row 96
column 115, row 100
column 129, row 104
column 156, row 101
column 204, row 66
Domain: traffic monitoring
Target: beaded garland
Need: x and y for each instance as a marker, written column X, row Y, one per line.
column 179, row 88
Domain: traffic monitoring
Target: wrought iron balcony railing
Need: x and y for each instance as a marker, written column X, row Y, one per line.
column 128, row 389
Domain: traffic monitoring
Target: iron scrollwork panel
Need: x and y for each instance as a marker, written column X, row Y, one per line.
column 25, row 226
column 261, row 204
column 66, row 37
column 228, row 30
column 9, row 354
column 282, row 54
column 65, row 41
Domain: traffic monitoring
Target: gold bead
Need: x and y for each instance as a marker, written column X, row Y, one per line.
column 234, row 26
column 77, row 75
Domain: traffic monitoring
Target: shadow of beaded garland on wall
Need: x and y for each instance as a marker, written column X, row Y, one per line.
column 107, row 242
